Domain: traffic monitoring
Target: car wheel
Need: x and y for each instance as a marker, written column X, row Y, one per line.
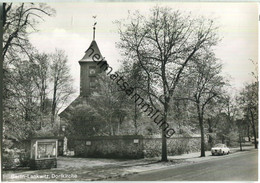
column 223, row 153
column 228, row 152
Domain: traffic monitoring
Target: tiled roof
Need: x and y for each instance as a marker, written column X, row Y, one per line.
column 93, row 49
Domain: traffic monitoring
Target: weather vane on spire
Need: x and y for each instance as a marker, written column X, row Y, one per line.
column 94, row 26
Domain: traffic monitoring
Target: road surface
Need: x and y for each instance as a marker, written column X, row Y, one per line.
column 242, row 166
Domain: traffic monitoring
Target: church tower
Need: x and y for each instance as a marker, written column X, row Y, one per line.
column 90, row 68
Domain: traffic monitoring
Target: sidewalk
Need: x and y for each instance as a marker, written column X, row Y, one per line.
column 180, row 160
column 89, row 169
column 195, row 157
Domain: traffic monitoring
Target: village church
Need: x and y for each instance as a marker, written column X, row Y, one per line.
column 89, row 70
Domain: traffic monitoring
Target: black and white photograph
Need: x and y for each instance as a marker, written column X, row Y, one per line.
column 110, row 90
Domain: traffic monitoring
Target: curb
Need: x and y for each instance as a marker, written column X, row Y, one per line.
column 185, row 162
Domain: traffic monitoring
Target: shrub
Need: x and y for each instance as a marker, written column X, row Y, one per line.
column 24, row 159
column 10, row 159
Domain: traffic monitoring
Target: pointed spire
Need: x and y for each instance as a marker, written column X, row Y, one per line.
column 93, row 48
column 94, row 27
column 94, row 33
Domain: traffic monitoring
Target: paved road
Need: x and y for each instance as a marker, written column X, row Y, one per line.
column 239, row 166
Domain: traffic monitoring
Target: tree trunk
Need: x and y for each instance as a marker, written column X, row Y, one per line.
column 43, row 96
column 164, row 146
column 248, row 132
column 202, row 151
column 240, row 142
column 210, row 140
column 253, row 127
column 164, row 140
column 111, row 126
column 135, row 116
column 2, row 22
column 112, row 130
column 53, row 109
column 118, row 128
column 200, row 117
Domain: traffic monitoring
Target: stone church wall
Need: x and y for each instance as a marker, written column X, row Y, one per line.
column 175, row 146
column 131, row 146
column 108, row 147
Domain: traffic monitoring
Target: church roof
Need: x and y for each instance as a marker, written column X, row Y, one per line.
column 79, row 100
column 93, row 49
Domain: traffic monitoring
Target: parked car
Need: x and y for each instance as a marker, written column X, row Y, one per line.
column 220, row 149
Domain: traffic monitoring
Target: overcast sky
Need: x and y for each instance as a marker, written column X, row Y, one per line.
column 71, row 30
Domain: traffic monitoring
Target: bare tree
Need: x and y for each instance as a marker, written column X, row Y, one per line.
column 21, row 109
column 133, row 74
column 204, row 84
column 18, row 20
column 21, row 97
column 163, row 43
column 249, row 103
column 41, row 77
column 242, row 130
column 61, row 81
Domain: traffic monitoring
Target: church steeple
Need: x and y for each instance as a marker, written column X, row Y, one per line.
column 94, row 28
column 92, row 49
column 89, row 68
column 94, row 31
